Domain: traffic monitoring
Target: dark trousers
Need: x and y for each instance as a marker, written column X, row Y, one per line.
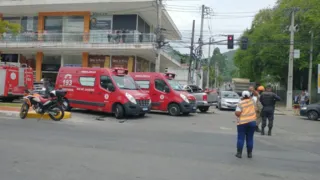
column 245, row 133
column 267, row 114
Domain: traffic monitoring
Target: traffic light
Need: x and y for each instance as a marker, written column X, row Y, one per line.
column 230, row 42
column 244, row 43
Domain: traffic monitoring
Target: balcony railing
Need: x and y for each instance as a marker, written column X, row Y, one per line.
column 101, row 38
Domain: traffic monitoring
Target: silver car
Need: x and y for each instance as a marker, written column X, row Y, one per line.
column 228, row 100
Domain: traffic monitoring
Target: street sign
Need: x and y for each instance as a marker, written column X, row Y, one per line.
column 296, row 54
column 318, row 78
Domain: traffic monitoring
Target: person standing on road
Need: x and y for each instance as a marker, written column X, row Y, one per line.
column 246, row 123
column 255, row 95
column 268, row 100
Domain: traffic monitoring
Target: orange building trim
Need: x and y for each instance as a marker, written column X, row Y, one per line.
column 86, row 18
column 85, row 59
column 39, row 59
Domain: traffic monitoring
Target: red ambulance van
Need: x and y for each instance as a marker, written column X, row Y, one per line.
column 166, row 93
column 102, row 89
column 15, row 78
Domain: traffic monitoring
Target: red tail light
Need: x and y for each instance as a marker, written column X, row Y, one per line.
column 205, row 97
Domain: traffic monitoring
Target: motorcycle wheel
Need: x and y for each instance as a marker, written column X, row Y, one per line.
column 58, row 113
column 24, row 111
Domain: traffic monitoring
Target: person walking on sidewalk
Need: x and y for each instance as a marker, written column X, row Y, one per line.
column 268, row 100
column 246, row 123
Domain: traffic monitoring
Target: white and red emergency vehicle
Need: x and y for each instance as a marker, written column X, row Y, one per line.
column 102, row 89
column 14, row 80
column 165, row 92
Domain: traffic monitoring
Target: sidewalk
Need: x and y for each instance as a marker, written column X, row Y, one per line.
column 282, row 110
column 9, row 111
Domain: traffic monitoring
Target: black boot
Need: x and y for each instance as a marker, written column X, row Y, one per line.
column 249, row 153
column 269, row 131
column 239, row 153
column 262, row 131
column 257, row 129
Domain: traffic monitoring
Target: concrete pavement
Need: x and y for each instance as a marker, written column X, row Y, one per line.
column 157, row 147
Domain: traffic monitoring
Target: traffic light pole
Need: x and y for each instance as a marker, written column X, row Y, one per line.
column 198, row 65
column 290, row 67
column 190, row 80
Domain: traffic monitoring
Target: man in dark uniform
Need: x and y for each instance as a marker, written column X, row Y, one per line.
column 268, row 100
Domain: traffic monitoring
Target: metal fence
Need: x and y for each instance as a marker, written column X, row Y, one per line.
column 108, row 38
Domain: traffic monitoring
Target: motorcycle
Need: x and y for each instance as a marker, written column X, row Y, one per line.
column 51, row 105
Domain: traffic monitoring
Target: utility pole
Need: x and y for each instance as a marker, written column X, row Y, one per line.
column 159, row 33
column 310, row 66
column 190, row 80
column 291, row 57
column 198, row 65
column 208, row 69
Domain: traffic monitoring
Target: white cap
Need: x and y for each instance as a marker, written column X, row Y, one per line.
column 245, row 94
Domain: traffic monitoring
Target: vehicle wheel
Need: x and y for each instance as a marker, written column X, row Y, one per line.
column 142, row 114
column 204, row 109
column 313, row 115
column 24, row 110
column 66, row 105
column 56, row 113
column 186, row 113
column 174, row 109
column 119, row 111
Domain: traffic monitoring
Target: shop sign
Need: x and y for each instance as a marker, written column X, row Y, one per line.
column 100, row 22
column 50, row 67
column 120, row 62
column 73, row 65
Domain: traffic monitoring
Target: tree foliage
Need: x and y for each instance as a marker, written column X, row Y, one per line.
column 269, row 40
column 6, row 26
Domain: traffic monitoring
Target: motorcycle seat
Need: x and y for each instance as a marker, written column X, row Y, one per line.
column 43, row 100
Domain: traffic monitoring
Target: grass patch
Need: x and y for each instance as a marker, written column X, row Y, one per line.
column 10, row 104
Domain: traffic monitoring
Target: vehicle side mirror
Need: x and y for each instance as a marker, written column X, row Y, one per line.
column 111, row 87
column 166, row 89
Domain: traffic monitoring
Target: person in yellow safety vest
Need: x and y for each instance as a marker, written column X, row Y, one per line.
column 246, row 123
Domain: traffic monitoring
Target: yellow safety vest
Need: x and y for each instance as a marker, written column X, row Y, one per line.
column 248, row 113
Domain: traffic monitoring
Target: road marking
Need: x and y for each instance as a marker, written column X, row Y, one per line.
column 225, row 128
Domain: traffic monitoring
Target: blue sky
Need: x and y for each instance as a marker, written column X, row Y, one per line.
column 229, row 17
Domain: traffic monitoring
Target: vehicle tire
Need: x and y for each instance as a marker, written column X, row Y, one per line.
column 174, row 109
column 313, row 115
column 59, row 115
column 24, row 111
column 204, row 109
column 142, row 114
column 66, row 105
column 119, row 111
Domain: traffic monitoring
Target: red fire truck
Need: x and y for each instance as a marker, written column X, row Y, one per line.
column 14, row 79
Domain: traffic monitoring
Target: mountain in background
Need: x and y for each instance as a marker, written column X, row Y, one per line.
column 230, row 69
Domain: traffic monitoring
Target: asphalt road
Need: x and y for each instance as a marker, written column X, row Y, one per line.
column 157, row 147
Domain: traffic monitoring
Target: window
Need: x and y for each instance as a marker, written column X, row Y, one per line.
column 195, row 88
column 104, row 81
column 125, row 82
column 160, row 84
column 175, row 85
column 143, row 84
column 87, row 81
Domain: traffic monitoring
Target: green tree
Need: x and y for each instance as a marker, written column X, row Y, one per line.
column 6, row 26
column 268, row 50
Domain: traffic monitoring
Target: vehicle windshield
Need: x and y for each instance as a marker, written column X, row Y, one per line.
column 230, row 95
column 175, row 85
column 125, row 82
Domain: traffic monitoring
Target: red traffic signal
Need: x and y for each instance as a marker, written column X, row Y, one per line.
column 230, row 42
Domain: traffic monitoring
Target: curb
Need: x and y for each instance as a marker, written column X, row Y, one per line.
column 32, row 115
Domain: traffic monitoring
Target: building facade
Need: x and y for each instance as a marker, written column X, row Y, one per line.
column 87, row 33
